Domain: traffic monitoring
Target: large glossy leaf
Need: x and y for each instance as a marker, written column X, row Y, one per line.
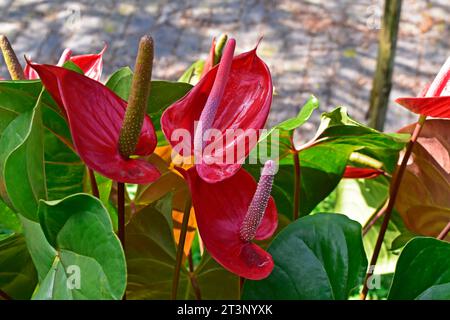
column 76, row 236
column 423, row 199
column 64, row 170
column 162, row 95
column 423, row 271
column 22, row 174
column 316, row 257
column 18, row 276
column 151, row 252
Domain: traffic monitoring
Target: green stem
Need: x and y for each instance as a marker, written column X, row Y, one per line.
column 297, row 180
column 12, row 63
column 121, row 216
column 180, row 250
column 395, row 185
column 94, row 186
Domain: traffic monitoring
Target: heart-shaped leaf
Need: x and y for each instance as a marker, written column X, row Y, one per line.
column 423, row 271
column 22, row 174
column 76, row 252
column 316, row 257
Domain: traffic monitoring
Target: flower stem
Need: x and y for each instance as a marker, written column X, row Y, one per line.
column 375, row 217
column 195, row 286
column 121, row 212
column 94, row 186
column 297, row 184
column 121, row 217
column 395, row 185
column 5, row 296
column 12, row 63
column 180, row 250
column 444, row 232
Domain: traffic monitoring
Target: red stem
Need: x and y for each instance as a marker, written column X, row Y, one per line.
column 395, row 185
column 297, row 179
column 5, row 296
column 444, row 232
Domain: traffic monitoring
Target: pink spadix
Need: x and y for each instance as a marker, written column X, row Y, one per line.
column 212, row 104
column 257, row 208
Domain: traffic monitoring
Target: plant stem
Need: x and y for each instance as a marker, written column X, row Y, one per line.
column 395, row 185
column 180, row 250
column 297, row 179
column 195, row 286
column 444, row 232
column 121, row 212
column 12, row 63
column 375, row 217
column 94, row 186
column 190, row 261
column 5, row 296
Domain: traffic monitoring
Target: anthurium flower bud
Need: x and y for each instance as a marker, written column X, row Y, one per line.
column 221, row 209
column 218, row 49
column 138, row 100
column 11, row 61
column 361, row 173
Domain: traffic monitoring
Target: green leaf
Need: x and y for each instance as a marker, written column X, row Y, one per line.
column 337, row 138
column 296, row 122
column 22, row 174
column 76, row 234
column 64, row 169
column 151, row 255
column 423, row 271
column 17, row 273
column 316, row 257
column 193, row 73
column 9, row 222
column 162, row 95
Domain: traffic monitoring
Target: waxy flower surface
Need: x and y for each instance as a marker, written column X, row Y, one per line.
column 231, row 99
column 95, row 115
column 435, row 100
column 90, row 64
column 233, row 212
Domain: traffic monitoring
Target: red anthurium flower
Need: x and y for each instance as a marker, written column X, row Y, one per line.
column 233, row 212
column 435, row 101
column 90, row 64
column 234, row 96
column 361, row 173
column 95, row 115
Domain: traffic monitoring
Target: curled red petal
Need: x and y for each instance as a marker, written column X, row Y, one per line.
column 361, row 173
column 220, row 209
column 438, row 107
column 209, row 62
column 95, row 115
column 91, row 64
column 29, row 73
column 245, row 105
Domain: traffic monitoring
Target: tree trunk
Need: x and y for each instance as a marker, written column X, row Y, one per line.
column 382, row 81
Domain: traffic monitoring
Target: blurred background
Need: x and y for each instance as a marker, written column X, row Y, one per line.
column 325, row 48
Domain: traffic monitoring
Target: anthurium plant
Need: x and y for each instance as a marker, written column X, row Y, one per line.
column 136, row 188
